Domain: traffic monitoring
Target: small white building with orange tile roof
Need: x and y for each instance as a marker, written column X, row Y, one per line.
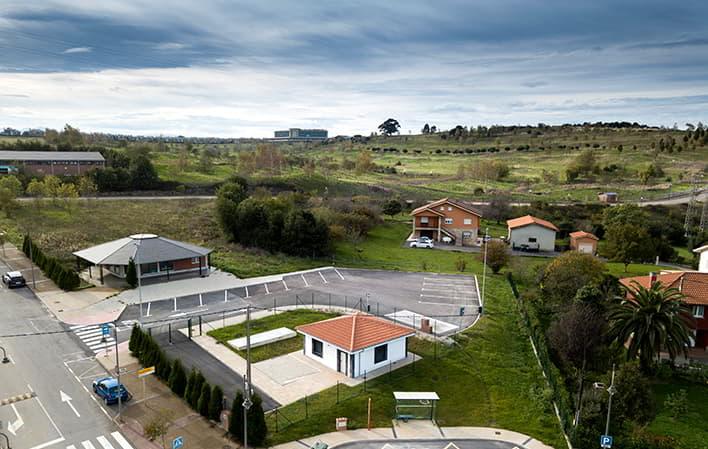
column 584, row 242
column 356, row 344
column 531, row 233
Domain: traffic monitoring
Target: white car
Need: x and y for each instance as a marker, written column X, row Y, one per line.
column 420, row 243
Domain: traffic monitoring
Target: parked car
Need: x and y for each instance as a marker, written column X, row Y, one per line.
column 419, row 243
column 425, row 239
column 13, row 279
column 107, row 388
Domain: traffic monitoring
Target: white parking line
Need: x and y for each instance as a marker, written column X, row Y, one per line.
column 455, row 304
column 432, row 284
column 266, row 287
column 175, row 300
column 452, row 290
column 246, row 291
column 285, row 285
column 340, row 274
column 148, row 310
column 303, row 278
column 201, row 304
column 322, row 276
column 444, row 297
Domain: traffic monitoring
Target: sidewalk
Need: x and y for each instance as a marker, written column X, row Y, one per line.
column 417, row 430
column 89, row 306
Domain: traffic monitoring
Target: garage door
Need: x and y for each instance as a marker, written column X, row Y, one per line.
column 585, row 248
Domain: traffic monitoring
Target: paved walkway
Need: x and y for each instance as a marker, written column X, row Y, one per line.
column 417, row 430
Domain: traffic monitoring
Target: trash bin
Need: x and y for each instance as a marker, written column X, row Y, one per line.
column 341, row 423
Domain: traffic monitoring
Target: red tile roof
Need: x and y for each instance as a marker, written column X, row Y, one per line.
column 692, row 284
column 582, row 234
column 528, row 220
column 355, row 332
column 429, row 207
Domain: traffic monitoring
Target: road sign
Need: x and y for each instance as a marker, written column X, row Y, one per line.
column 606, row 441
column 146, row 371
column 105, row 330
column 177, row 443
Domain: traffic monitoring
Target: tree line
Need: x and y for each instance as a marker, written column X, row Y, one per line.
column 206, row 400
column 64, row 278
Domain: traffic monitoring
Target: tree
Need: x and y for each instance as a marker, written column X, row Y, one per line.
column 236, row 419
column 426, row 129
column 499, row 207
column 228, row 198
column 157, row 428
column 497, row 255
column 135, row 335
column 216, row 403
column 86, row 186
column 623, row 214
column 10, row 189
column 191, row 381
column 143, row 174
column 650, row 320
column 577, row 333
column 392, row 207
column 205, row 161
column 204, row 400
column 567, row 273
column 131, row 274
column 390, row 126
column 196, row 391
column 634, row 399
column 257, row 429
column 364, row 162
column 628, row 243
column 178, row 378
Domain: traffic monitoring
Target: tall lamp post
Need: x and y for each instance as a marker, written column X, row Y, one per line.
column 611, row 391
column 138, row 271
column 247, row 380
column 484, row 269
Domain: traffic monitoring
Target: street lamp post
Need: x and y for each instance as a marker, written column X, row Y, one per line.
column 7, row 440
column 611, row 391
column 484, row 269
column 140, row 290
column 247, row 380
column 5, row 358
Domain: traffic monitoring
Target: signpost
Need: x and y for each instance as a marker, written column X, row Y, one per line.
column 177, row 443
column 606, row 441
column 142, row 374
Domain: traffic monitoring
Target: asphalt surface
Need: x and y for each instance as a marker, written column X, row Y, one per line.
column 430, row 444
column 55, row 367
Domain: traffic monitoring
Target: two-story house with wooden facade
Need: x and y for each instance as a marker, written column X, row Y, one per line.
column 447, row 218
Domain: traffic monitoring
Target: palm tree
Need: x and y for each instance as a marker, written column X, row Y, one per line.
column 651, row 320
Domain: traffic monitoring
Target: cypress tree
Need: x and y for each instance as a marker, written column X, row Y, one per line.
column 216, row 403
column 236, row 419
column 196, row 391
column 131, row 274
column 257, row 428
column 190, row 384
column 178, row 378
column 134, row 335
column 204, row 399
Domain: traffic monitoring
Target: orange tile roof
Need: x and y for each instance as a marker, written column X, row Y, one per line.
column 582, row 234
column 692, row 284
column 528, row 220
column 429, row 207
column 355, row 332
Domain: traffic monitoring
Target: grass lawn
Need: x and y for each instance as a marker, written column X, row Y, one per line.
column 490, row 378
column 290, row 319
column 690, row 428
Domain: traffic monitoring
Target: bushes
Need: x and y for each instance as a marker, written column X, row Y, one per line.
column 64, row 278
column 216, row 402
column 257, row 429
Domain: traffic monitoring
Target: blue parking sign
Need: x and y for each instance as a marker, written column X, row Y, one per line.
column 606, row 441
column 105, row 330
column 177, row 443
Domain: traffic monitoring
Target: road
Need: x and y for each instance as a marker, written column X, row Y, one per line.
column 64, row 413
column 430, row 444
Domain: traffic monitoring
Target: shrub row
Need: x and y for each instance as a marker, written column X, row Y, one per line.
column 195, row 390
column 64, row 278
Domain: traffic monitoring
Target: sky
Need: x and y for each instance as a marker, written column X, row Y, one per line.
column 232, row 68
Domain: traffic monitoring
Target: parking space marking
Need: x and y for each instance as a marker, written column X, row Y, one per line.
column 340, row 274
column 305, row 280
column 444, row 297
column 88, row 445
column 323, row 278
column 285, row 285
column 246, row 291
column 453, row 304
column 148, row 310
column 266, row 288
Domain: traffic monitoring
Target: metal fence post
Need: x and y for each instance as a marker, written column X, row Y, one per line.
column 200, row 325
column 330, row 302
column 345, row 301
column 189, row 326
column 377, row 308
column 337, row 392
column 169, row 332
column 275, row 305
column 307, row 414
column 276, row 420
column 313, row 300
column 364, row 380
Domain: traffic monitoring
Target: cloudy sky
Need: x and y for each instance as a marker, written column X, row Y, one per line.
column 236, row 68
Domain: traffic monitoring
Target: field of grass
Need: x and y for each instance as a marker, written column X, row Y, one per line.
column 290, row 319
column 689, row 428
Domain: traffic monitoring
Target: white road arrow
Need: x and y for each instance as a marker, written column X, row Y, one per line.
column 66, row 398
column 14, row 426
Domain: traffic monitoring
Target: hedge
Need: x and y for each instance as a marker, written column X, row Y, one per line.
column 64, row 278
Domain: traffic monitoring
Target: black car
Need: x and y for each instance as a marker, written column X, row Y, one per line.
column 13, row 279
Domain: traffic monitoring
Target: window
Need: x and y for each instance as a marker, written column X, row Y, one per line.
column 146, row 268
column 442, row 207
column 423, row 220
column 448, row 221
column 195, row 260
column 468, row 221
column 698, row 311
column 466, row 235
column 449, row 209
column 380, row 353
column 532, row 239
column 316, row 347
column 166, row 266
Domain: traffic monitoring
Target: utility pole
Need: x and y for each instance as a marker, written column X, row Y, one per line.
column 247, row 380
column 612, row 390
column 29, row 236
column 484, row 270
column 140, row 290
column 120, row 393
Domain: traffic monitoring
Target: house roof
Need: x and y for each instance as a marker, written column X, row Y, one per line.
column 355, row 332
column 701, row 249
column 429, row 207
column 692, row 284
column 583, row 234
column 142, row 248
column 529, row 220
column 51, row 156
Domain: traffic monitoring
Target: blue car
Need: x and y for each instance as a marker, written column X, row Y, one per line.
column 108, row 389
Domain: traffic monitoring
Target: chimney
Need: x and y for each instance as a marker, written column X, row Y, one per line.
column 652, row 278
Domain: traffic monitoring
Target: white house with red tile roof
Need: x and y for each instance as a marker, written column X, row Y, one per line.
column 694, row 286
column 531, row 233
column 356, row 344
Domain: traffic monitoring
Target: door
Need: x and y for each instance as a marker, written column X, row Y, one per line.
column 585, row 248
column 341, row 361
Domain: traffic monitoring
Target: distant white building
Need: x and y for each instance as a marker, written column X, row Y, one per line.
column 702, row 258
column 531, row 233
column 356, row 344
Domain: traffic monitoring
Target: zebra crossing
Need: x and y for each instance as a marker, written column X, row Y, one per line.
column 103, row 443
column 92, row 336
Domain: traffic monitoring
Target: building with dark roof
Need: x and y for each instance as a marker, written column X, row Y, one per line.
column 68, row 163
column 300, row 135
column 156, row 256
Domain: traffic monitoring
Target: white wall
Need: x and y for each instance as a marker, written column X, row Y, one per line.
column 703, row 262
column 363, row 360
column 546, row 238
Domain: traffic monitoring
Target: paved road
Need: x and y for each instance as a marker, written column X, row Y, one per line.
column 430, row 444
column 43, row 364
